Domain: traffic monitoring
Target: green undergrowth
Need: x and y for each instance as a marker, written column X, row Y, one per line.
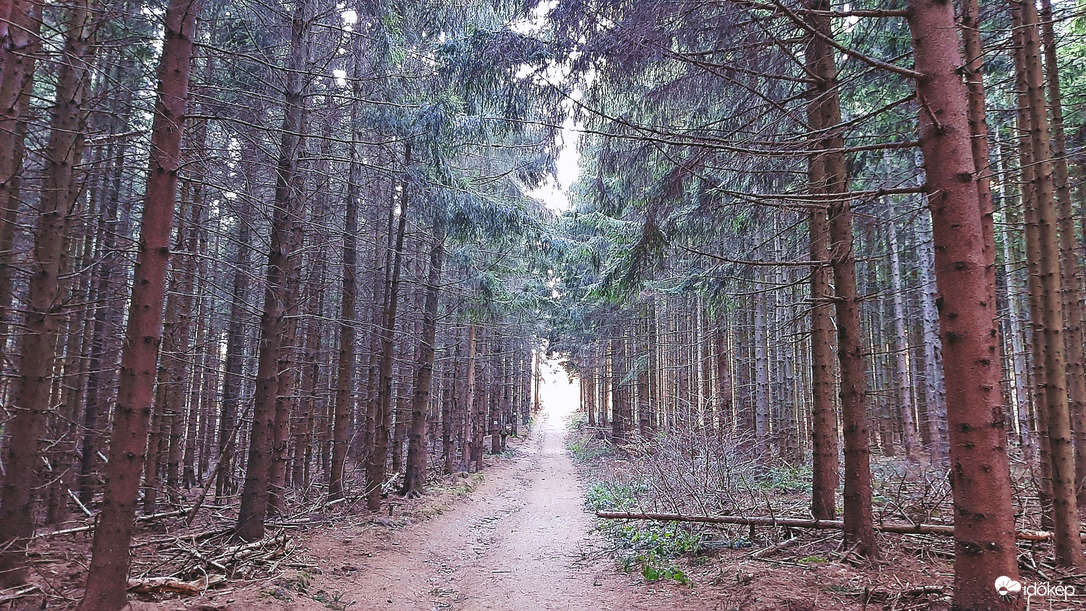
column 652, row 548
column 648, row 547
column 785, row 479
column 583, row 443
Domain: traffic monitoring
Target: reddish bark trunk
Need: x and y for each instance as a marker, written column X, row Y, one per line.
column 107, row 576
column 342, row 408
column 983, row 521
column 45, row 297
column 823, row 414
column 376, row 463
column 1051, row 324
column 1070, row 267
column 859, row 523
column 415, row 475
column 266, row 462
column 19, row 45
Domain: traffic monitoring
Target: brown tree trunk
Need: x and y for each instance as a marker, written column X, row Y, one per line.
column 280, row 298
column 45, row 295
column 375, row 465
column 415, row 475
column 495, row 373
column 197, row 249
column 980, row 472
column 107, row 314
column 761, row 376
column 1027, row 183
column 107, row 576
column 900, row 346
column 1070, row 268
column 1015, row 332
column 19, row 47
column 824, row 451
column 1051, row 325
column 341, row 418
column 644, row 406
column 235, row 334
column 859, row 524
column 620, row 396
column 476, row 399
column 450, row 409
column 934, row 386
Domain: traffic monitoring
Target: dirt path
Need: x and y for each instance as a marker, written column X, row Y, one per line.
column 522, row 541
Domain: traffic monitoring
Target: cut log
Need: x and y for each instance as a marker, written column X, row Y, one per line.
column 907, row 529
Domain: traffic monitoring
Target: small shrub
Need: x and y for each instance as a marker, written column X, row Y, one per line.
column 610, row 497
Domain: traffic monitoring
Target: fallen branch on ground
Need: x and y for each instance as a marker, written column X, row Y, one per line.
column 907, row 529
column 90, row 527
column 157, row 585
column 17, row 593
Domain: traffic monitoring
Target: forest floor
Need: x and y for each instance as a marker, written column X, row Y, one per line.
column 521, row 539
column 520, row 536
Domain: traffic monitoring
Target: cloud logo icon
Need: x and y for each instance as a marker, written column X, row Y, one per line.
column 1007, row 586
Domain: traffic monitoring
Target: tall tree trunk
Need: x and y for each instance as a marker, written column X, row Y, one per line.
column 46, row 294
column 826, row 464
column 761, row 377
column 235, row 334
column 476, row 399
column 859, row 523
column 341, row 418
column 824, row 451
column 280, row 297
column 375, row 465
column 980, row 471
column 107, row 576
column 1015, row 328
column 197, row 248
column 934, row 386
column 415, row 475
column 1027, row 182
column 107, row 315
column 901, row 350
column 19, row 49
column 620, row 396
column 1051, row 325
column 1070, row 267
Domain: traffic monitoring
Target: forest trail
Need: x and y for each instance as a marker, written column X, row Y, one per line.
column 521, row 541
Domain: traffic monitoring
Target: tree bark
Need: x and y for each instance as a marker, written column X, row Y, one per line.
column 858, row 519
column 1070, row 267
column 341, row 418
column 980, row 472
column 19, row 47
column 107, row 576
column 236, row 328
column 45, row 295
column 825, row 461
column 1051, row 325
column 415, row 475
column 375, row 465
column 901, row 350
column 280, row 299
